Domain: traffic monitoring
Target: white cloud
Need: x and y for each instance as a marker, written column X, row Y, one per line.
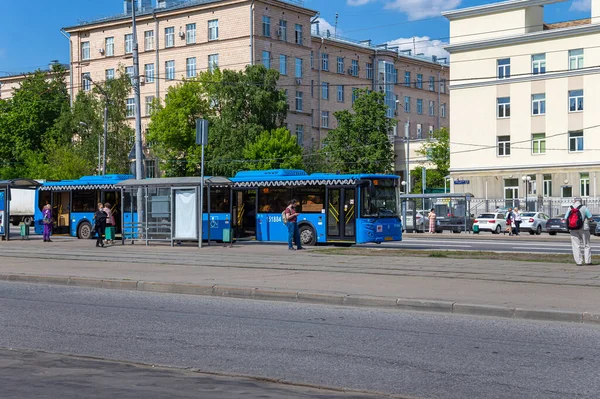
column 581, row 5
column 422, row 44
column 324, row 26
column 358, row 2
column 419, row 9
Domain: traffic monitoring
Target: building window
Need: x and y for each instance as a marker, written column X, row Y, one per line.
column 443, row 110
column 299, row 67
column 149, row 73
column 511, row 189
column 547, row 185
column 503, row 107
column 406, row 104
column 130, row 108
column 340, row 94
column 575, row 100
column 266, row 25
column 128, row 43
column 85, row 83
column 431, row 83
column 325, row 91
column 325, row 62
column 504, row 68
column 538, row 143
column 503, row 146
column 299, row 101
column 419, row 82
column 282, row 32
column 576, row 59
column 576, row 141
column 110, row 74
column 355, row 68
column 190, row 67
column 354, row 94
column 300, row 135
column 298, row 34
column 150, row 168
column 538, row 104
column 129, row 72
column 85, row 50
column 149, row 100
column 190, row 34
column 420, row 106
column 312, row 89
column 169, row 37
column 266, row 59
column 566, row 191
column 369, row 68
column 443, row 86
column 340, row 64
column 538, row 64
column 170, row 70
column 584, row 184
column 419, row 131
column 109, row 43
column 213, row 29
column 431, row 108
column 213, row 62
column 325, row 119
column 149, row 40
column 283, row 64
column 407, row 79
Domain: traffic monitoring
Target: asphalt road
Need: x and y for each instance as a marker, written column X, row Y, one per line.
column 402, row 353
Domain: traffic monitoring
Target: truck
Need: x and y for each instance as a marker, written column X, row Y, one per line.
column 22, row 206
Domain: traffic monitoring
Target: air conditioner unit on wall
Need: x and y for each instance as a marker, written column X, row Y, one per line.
column 298, row 81
column 142, row 79
column 181, row 34
column 101, row 50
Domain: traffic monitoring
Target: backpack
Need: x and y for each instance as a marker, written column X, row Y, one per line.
column 575, row 219
column 284, row 218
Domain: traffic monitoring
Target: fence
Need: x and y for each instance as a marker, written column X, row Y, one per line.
column 553, row 207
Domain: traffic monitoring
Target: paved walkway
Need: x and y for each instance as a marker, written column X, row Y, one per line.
column 267, row 271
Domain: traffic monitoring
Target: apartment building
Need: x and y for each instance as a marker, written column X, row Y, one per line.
column 525, row 120
column 9, row 83
column 177, row 39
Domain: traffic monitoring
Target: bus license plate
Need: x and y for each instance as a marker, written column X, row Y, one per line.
column 388, row 238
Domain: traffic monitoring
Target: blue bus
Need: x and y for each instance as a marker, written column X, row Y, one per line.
column 74, row 203
column 334, row 208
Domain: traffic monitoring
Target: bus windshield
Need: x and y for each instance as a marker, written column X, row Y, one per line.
column 379, row 200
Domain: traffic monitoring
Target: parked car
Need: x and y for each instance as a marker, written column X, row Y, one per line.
column 494, row 222
column 556, row 225
column 594, row 223
column 534, row 222
column 420, row 223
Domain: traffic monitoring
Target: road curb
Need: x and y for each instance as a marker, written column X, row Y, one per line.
column 339, row 299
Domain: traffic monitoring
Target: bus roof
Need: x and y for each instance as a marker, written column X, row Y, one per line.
column 85, row 183
column 300, row 177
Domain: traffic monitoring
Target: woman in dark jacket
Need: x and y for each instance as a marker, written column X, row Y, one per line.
column 100, row 217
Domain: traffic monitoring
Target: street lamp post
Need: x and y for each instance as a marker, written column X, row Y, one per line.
column 526, row 180
column 106, row 102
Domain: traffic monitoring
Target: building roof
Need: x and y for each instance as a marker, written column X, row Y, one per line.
column 494, row 8
column 568, row 24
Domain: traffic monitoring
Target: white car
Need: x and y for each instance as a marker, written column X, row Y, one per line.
column 421, row 223
column 493, row 221
column 534, row 222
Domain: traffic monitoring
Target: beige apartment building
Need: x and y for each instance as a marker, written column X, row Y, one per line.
column 319, row 72
column 525, row 102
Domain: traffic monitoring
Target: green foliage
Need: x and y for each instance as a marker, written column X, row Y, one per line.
column 239, row 107
column 437, row 151
column 360, row 143
column 275, row 149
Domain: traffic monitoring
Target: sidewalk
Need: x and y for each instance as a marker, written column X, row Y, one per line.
column 266, row 271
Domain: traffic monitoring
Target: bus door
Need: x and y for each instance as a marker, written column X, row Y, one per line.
column 61, row 211
column 341, row 215
column 244, row 213
column 114, row 199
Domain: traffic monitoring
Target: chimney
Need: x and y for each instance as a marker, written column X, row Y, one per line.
column 596, row 11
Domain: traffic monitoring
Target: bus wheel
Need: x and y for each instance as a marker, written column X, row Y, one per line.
column 308, row 236
column 84, row 231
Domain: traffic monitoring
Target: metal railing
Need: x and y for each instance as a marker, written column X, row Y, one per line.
column 552, row 206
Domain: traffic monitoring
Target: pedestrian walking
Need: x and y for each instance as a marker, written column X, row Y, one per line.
column 47, row 222
column 110, row 224
column 510, row 218
column 577, row 218
column 291, row 221
column 100, row 218
column 432, row 220
column 517, row 222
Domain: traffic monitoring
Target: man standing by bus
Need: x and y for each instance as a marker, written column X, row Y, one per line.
column 291, row 221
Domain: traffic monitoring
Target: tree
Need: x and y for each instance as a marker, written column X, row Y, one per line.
column 437, row 151
column 239, row 107
column 360, row 143
column 275, row 149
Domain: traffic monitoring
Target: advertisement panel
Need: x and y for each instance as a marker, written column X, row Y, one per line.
column 2, row 214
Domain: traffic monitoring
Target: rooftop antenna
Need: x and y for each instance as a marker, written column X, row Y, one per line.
column 414, row 46
column 336, row 22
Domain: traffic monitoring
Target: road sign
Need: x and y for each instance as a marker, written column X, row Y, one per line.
column 462, row 181
column 201, row 132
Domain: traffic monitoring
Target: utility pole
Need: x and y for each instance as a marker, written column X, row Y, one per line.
column 136, row 91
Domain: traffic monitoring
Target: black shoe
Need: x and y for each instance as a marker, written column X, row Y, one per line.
column 49, row 241
column 301, row 248
column 97, row 245
column 291, row 249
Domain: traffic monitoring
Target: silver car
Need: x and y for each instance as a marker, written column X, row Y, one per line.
column 534, row 222
column 421, row 222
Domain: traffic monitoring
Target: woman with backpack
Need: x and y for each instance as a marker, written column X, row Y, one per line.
column 290, row 218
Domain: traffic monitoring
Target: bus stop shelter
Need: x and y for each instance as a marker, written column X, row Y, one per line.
column 453, row 211
column 168, row 209
column 5, row 187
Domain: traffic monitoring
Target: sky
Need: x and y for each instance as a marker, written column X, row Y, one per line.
column 30, row 34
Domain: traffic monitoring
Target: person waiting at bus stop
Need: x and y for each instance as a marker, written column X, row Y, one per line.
column 100, row 221
column 291, row 219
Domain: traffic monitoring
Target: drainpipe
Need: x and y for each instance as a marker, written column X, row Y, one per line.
column 252, row 33
column 157, row 68
column 68, row 36
column 319, row 90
